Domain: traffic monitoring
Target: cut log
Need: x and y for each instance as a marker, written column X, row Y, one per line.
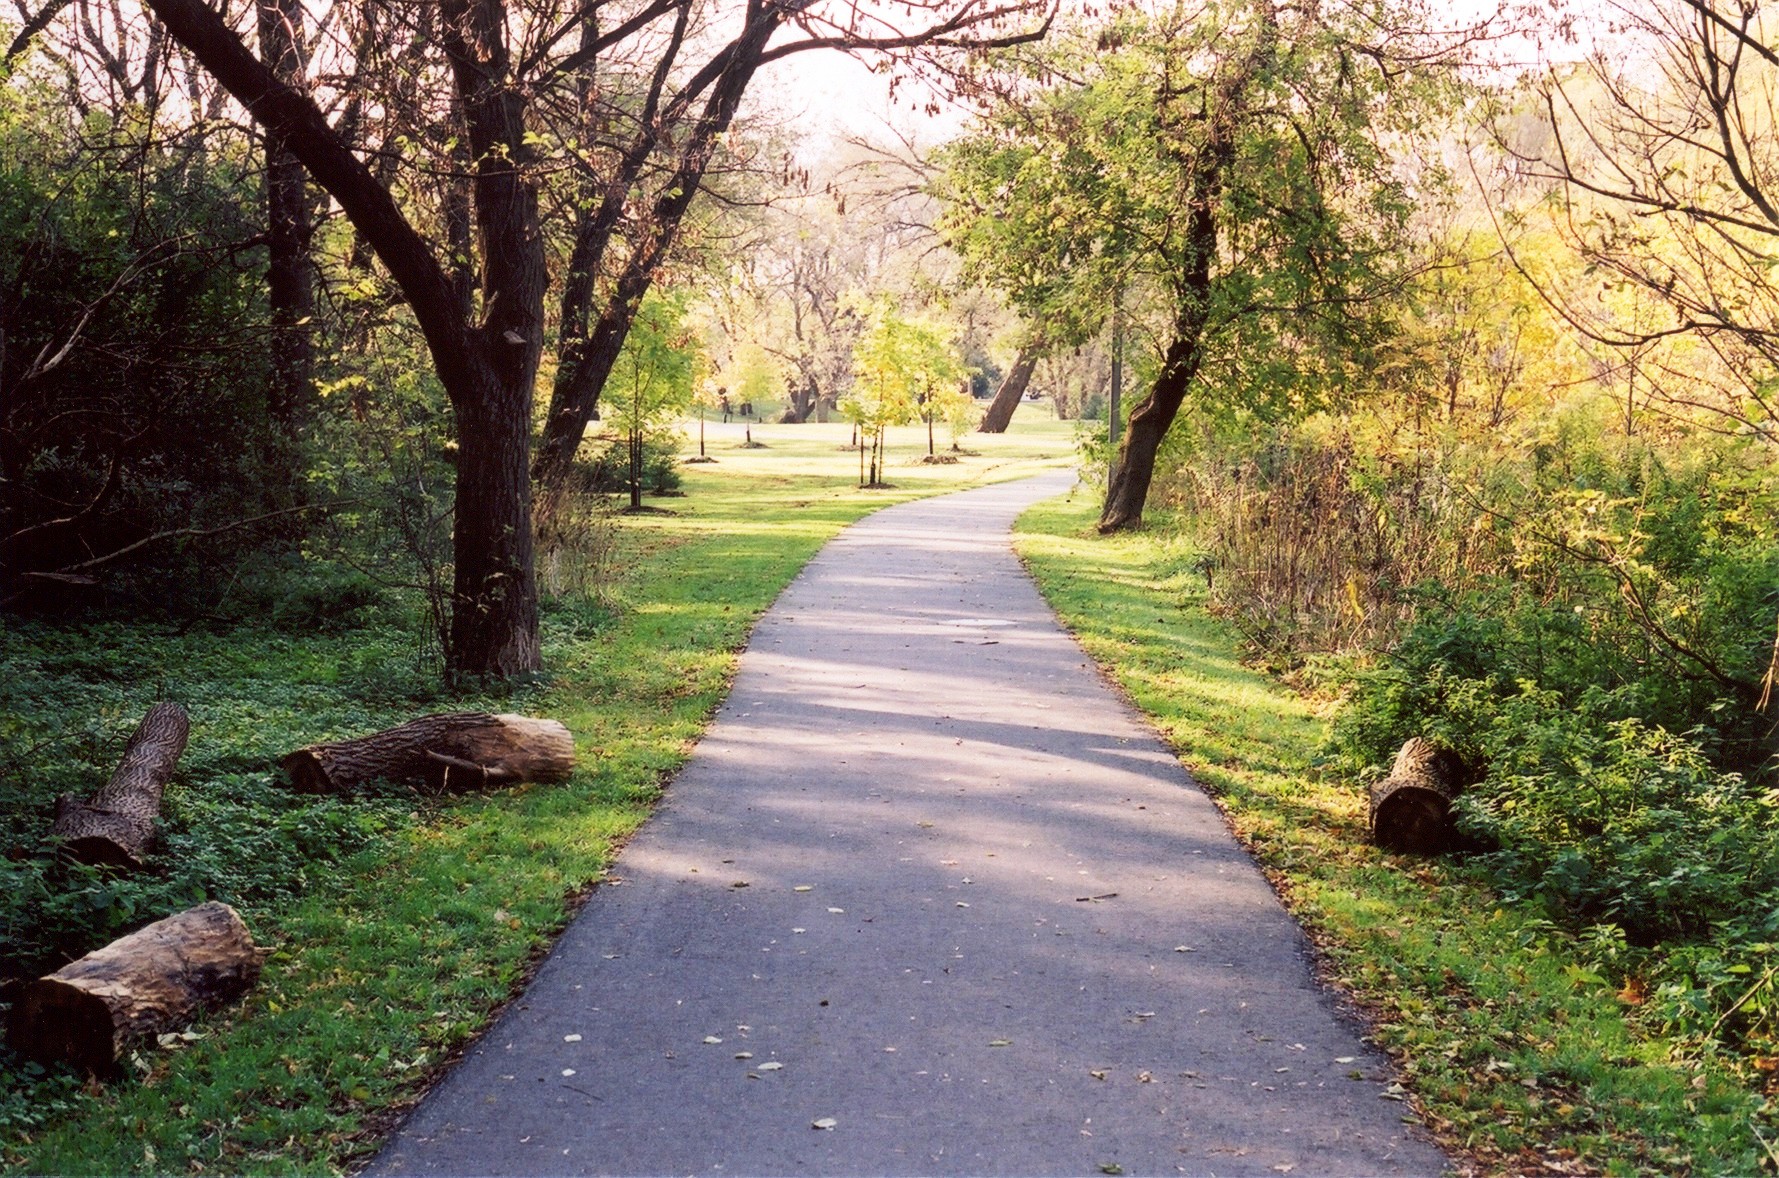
column 1411, row 810
column 114, row 828
column 450, row 751
column 155, row 980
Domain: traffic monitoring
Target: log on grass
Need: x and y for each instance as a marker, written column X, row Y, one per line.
column 115, row 826
column 155, row 980
column 449, row 751
column 1411, row 810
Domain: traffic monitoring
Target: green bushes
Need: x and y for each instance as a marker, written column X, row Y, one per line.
column 1587, row 620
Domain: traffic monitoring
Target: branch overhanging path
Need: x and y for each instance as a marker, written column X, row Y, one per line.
column 927, row 898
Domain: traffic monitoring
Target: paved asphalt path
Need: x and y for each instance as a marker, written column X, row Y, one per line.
column 929, row 882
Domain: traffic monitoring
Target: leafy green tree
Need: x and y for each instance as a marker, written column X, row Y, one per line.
column 654, row 378
column 899, row 365
column 1221, row 163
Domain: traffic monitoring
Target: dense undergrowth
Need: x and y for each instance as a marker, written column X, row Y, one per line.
column 1535, row 1042
column 1588, row 624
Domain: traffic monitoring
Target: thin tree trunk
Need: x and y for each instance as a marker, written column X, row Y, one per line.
column 635, row 471
column 290, row 291
column 1011, row 392
column 1127, row 488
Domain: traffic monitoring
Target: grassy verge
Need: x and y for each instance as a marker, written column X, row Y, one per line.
column 400, row 921
column 1515, row 1050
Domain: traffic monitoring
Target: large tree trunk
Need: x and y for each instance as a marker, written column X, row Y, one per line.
column 487, row 367
column 1127, row 484
column 494, row 594
column 450, row 751
column 494, row 588
column 114, row 828
column 1411, row 810
column 153, row 981
column 1011, row 392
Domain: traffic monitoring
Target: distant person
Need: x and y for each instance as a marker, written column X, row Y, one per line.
column 725, row 400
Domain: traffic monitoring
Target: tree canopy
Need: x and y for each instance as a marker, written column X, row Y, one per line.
column 1228, row 162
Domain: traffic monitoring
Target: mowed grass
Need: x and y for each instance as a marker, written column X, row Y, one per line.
column 1512, row 1048
column 389, row 959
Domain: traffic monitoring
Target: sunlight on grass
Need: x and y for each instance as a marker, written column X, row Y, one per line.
column 1512, row 1054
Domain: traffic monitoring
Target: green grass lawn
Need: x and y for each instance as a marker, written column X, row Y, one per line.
column 1512, row 1047
column 399, row 922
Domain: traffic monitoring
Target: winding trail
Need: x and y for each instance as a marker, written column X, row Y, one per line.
column 950, row 896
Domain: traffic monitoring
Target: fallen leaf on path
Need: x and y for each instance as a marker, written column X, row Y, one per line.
column 744, row 1055
column 804, row 888
column 571, row 1038
column 1000, row 1042
column 771, row 1066
column 838, row 911
column 823, row 1123
column 712, row 1039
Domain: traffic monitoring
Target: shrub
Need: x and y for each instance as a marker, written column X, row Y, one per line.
column 1612, row 819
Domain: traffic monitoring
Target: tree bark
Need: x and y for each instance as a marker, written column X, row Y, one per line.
column 150, row 982
column 1011, row 392
column 115, row 827
column 290, row 294
column 1411, row 810
column 449, row 751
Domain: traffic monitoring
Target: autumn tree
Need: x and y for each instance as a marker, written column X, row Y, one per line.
column 654, row 378
column 515, row 93
column 899, row 366
column 1664, row 182
column 1224, row 163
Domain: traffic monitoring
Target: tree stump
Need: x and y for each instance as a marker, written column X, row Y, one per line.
column 114, row 828
column 1411, row 810
column 155, row 980
column 449, row 751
